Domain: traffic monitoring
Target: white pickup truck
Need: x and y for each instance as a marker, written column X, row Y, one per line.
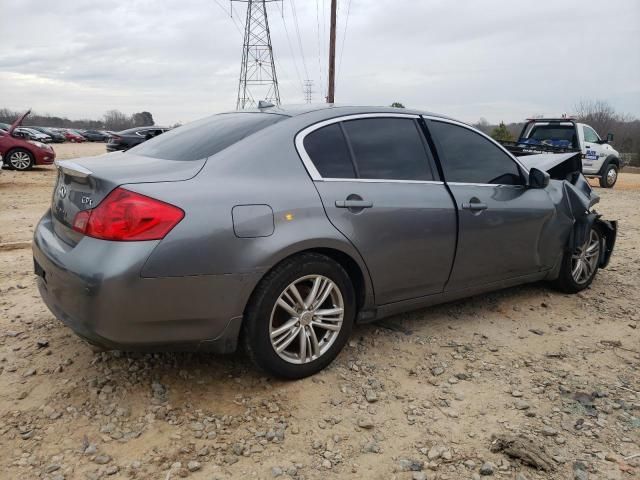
column 555, row 135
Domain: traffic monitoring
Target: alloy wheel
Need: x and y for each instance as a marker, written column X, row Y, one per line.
column 306, row 319
column 20, row 160
column 584, row 260
column 612, row 175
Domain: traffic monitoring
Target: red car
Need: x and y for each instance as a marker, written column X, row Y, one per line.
column 72, row 136
column 20, row 153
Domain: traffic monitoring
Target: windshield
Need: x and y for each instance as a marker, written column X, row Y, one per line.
column 205, row 137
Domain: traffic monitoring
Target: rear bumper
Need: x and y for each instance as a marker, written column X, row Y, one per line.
column 96, row 289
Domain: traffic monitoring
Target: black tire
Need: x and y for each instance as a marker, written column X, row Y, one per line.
column 566, row 282
column 17, row 157
column 256, row 334
column 609, row 176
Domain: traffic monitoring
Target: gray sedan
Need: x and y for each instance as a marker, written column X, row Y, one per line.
column 281, row 228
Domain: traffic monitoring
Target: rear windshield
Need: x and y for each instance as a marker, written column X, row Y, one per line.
column 553, row 134
column 205, row 137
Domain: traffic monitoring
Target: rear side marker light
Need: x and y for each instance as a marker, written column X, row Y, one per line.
column 126, row 216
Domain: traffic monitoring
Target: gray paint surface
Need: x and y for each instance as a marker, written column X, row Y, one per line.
column 254, row 204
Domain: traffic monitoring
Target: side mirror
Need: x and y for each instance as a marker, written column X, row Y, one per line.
column 538, row 178
column 609, row 137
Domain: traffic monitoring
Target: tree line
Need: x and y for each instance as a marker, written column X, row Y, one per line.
column 114, row 120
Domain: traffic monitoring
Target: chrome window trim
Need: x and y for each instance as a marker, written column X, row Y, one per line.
column 494, row 185
column 469, row 127
column 379, row 180
column 311, row 168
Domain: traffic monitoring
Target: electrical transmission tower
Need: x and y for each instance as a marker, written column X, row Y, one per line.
column 258, row 80
column 308, row 92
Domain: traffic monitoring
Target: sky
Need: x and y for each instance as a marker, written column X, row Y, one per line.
column 502, row 60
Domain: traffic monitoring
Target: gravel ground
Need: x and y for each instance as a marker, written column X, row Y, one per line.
column 520, row 384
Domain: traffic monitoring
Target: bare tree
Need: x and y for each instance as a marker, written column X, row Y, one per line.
column 597, row 113
column 483, row 125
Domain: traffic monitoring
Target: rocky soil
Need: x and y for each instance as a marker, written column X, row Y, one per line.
column 520, row 384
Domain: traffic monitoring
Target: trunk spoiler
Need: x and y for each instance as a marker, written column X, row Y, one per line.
column 73, row 169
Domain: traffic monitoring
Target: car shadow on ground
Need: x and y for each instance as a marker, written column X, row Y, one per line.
column 204, row 373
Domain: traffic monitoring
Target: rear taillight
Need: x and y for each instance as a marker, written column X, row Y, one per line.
column 128, row 216
column 114, row 139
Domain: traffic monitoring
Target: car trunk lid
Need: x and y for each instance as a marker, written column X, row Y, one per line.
column 83, row 183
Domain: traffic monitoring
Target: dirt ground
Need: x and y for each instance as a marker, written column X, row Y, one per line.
column 418, row 396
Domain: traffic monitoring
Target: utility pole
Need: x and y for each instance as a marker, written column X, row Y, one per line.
column 258, row 80
column 332, row 54
column 308, row 92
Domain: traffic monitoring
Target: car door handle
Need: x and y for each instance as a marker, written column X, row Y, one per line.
column 587, row 146
column 353, row 204
column 474, row 206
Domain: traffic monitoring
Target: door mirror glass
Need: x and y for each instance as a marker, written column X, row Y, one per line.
column 609, row 137
column 538, row 178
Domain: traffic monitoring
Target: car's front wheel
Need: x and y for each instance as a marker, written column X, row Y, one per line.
column 20, row 159
column 300, row 316
column 579, row 267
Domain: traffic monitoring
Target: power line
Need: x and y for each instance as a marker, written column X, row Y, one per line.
column 344, row 38
column 229, row 13
column 295, row 19
column 319, row 45
column 233, row 11
column 324, row 29
column 293, row 55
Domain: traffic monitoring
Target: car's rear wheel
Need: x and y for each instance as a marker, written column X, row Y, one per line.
column 579, row 267
column 610, row 176
column 300, row 316
column 20, row 159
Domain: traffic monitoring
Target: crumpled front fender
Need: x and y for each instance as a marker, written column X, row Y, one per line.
column 574, row 201
column 579, row 200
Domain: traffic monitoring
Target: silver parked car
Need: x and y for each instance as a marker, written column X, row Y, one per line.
column 280, row 228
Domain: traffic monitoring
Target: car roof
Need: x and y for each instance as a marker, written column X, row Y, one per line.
column 333, row 109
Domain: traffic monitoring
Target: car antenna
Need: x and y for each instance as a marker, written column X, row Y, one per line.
column 265, row 104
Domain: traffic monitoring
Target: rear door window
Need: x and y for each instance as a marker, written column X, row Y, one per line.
column 388, row 149
column 205, row 137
